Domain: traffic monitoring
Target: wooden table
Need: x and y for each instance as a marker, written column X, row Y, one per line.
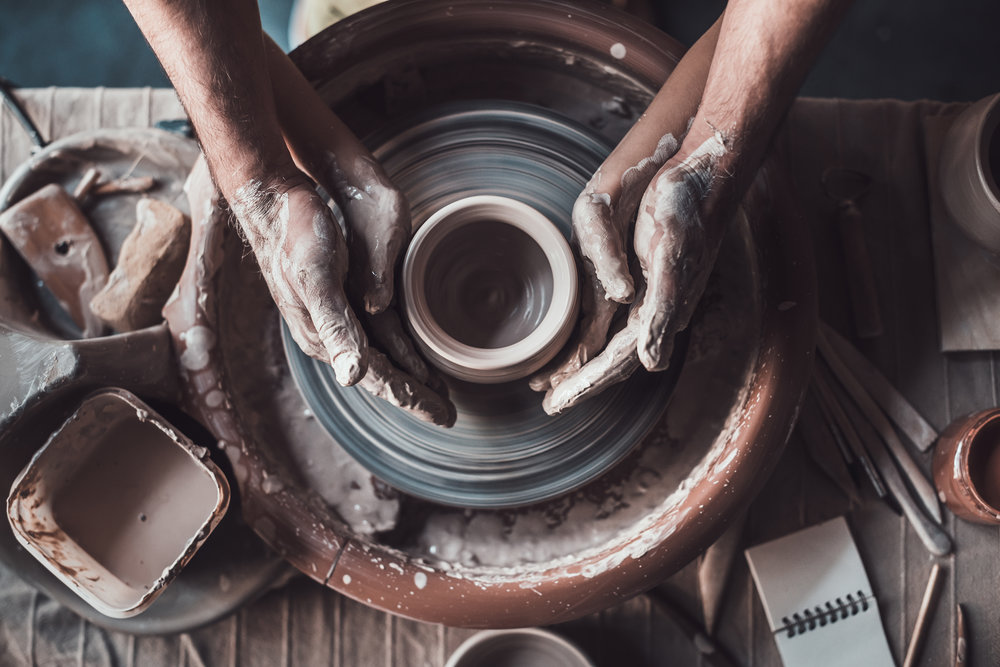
column 304, row 624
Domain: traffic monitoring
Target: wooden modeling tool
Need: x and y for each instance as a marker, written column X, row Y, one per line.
column 22, row 117
column 961, row 641
column 824, row 450
column 892, row 402
column 711, row 653
column 51, row 233
column 920, row 626
column 847, row 188
column 714, row 568
column 840, row 422
column 922, row 487
column 935, row 540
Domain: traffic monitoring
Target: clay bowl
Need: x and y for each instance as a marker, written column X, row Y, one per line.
column 748, row 360
column 479, row 257
column 965, row 467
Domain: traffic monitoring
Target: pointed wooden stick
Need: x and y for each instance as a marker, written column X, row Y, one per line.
column 920, row 626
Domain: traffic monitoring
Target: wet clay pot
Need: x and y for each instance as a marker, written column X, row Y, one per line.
column 967, row 467
column 598, row 68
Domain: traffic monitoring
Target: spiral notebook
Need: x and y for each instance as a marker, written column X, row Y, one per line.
column 818, row 599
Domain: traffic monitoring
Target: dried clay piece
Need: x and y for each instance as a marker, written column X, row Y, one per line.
column 56, row 240
column 149, row 266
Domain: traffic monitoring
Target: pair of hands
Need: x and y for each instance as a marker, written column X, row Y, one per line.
column 262, row 134
column 321, row 285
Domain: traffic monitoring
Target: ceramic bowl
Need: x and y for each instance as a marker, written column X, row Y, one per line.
column 528, row 647
column 490, row 288
column 970, row 172
column 967, row 467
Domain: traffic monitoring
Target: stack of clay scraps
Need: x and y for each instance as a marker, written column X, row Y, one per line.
column 50, row 231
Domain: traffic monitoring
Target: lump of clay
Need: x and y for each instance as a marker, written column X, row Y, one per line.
column 53, row 236
column 149, row 265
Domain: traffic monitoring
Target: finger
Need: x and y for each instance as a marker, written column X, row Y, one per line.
column 601, row 241
column 387, row 330
column 671, row 244
column 378, row 222
column 615, row 364
column 376, row 213
column 403, row 391
column 300, row 327
column 595, row 321
column 337, row 328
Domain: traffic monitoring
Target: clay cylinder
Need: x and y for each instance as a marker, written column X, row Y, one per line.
column 490, row 287
column 967, row 467
column 969, row 172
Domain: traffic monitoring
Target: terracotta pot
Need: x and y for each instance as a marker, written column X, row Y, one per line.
column 963, row 473
column 600, row 68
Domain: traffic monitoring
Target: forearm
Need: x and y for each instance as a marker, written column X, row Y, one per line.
column 213, row 52
column 765, row 49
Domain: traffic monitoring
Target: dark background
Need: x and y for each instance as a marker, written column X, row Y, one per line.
column 884, row 48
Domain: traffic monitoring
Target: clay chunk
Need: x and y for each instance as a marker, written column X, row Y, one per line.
column 149, row 265
column 54, row 237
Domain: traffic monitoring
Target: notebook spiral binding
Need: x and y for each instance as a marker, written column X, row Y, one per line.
column 830, row 612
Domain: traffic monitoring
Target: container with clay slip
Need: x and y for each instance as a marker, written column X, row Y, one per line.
column 117, row 502
column 967, row 467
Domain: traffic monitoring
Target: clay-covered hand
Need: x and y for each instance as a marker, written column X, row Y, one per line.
column 303, row 258
column 377, row 220
column 602, row 221
column 678, row 229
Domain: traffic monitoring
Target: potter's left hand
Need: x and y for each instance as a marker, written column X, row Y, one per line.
column 678, row 229
column 734, row 84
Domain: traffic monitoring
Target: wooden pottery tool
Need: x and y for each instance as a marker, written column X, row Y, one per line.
column 927, row 529
column 892, row 402
column 824, row 450
column 848, row 188
column 840, row 422
column 961, row 638
column 922, row 488
column 920, row 626
column 14, row 104
column 51, row 233
column 714, row 568
column 967, row 467
column 117, row 502
column 712, row 653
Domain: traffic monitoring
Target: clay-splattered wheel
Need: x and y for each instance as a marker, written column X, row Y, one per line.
column 747, row 364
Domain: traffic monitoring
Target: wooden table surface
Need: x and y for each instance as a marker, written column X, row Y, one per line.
column 304, row 624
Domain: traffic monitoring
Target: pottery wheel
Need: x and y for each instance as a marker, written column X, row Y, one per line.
column 504, row 450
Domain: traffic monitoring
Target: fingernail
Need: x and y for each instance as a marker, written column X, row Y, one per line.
column 347, row 368
column 620, row 290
